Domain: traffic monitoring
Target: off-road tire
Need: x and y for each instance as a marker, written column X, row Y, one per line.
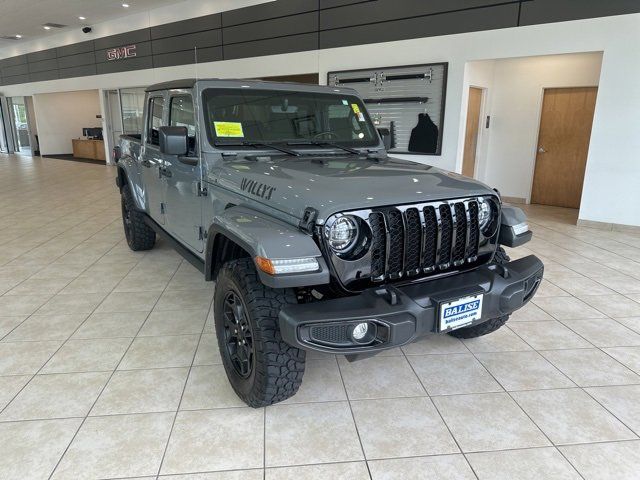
column 489, row 326
column 139, row 235
column 277, row 368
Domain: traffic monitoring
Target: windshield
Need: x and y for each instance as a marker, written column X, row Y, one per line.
column 242, row 116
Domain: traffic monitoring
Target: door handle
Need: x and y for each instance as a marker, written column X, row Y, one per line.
column 145, row 163
column 541, row 150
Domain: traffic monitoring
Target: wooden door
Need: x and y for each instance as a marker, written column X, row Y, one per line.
column 471, row 134
column 563, row 144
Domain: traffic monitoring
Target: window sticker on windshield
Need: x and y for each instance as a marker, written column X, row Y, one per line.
column 228, row 129
column 356, row 110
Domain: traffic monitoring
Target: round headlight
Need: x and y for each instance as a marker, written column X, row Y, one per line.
column 342, row 234
column 485, row 213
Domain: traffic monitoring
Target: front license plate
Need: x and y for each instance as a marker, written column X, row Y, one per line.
column 458, row 313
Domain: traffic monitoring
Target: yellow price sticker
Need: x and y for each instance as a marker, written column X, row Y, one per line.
column 228, row 129
column 355, row 108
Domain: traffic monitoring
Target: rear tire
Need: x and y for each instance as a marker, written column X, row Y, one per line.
column 261, row 367
column 493, row 324
column 139, row 235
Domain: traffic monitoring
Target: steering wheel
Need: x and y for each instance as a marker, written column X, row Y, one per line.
column 327, row 133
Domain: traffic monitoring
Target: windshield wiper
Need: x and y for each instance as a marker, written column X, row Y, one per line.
column 257, row 145
column 320, row 143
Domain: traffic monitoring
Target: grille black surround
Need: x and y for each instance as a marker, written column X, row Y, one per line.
column 413, row 242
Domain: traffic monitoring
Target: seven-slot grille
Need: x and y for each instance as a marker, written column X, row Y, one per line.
column 422, row 239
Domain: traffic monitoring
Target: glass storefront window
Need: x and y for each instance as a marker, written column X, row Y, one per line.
column 132, row 102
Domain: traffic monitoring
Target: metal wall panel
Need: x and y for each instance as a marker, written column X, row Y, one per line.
column 77, row 60
column 388, row 10
column 548, row 11
column 210, row 38
column 11, row 61
column 136, row 63
column 199, row 24
column 128, row 38
column 43, row 76
column 16, row 70
column 279, row 27
column 264, row 11
column 211, row 54
column 273, row 46
column 41, row 55
column 173, row 59
column 15, row 79
column 341, row 3
column 82, row 71
column 502, row 16
column 75, row 49
column 43, row 66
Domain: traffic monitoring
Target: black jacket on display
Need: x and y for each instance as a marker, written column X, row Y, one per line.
column 424, row 136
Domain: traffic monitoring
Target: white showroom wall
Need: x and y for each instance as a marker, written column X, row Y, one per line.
column 62, row 116
column 613, row 167
column 507, row 153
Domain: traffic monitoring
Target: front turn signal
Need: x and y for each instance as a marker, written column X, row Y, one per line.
column 287, row 265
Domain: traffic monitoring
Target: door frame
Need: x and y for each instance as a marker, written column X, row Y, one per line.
column 481, row 129
column 480, row 162
column 534, row 152
column 5, row 124
column 109, row 120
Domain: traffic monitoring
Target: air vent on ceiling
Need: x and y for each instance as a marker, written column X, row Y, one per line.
column 9, row 37
column 54, row 25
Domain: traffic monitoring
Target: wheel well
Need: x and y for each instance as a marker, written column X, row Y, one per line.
column 224, row 249
column 122, row 178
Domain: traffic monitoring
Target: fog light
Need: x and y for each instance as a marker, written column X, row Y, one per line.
column 360, row 331
column 363, row 333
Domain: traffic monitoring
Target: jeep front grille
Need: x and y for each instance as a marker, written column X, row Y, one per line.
column 408, row 241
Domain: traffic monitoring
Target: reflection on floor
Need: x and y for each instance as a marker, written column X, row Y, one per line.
column 109, row 369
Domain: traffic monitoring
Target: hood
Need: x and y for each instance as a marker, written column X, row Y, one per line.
column 332, row 184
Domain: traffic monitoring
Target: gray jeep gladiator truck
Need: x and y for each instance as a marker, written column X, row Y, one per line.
column 284, row 195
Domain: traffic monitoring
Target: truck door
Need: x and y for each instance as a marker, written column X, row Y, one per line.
column 183, row 176
column 151, row 160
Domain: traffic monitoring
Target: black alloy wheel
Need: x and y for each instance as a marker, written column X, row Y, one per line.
column 238, row 335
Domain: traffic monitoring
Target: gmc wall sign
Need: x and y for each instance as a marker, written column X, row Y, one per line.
column 119, row 53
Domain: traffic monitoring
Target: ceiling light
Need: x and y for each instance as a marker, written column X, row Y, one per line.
column 18, row 36
column 125, row 5
column 82, row 18
column 46, row 27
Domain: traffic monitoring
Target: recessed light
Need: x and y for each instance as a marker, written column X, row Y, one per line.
column 46, row 27
column 125, row 5
column 82, row 18
column 18, row 36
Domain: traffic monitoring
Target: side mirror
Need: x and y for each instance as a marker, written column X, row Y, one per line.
column 385, row 136
column 173, row 140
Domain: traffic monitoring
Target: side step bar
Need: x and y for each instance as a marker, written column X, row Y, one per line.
column 187, row 254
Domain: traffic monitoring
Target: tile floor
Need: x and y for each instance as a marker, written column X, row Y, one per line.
column 109, row 369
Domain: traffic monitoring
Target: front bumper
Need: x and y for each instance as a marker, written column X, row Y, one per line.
column 403, row 314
